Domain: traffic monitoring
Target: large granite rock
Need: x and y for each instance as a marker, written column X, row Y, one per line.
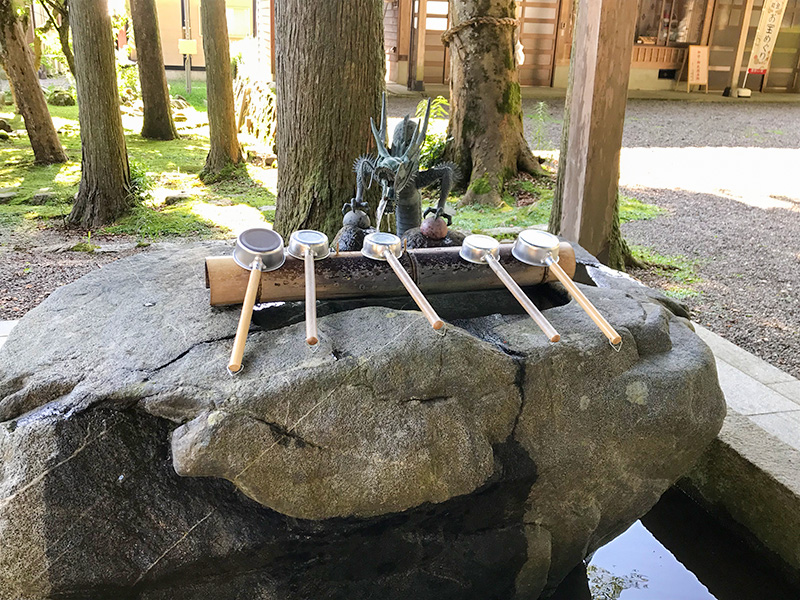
column 391, row 462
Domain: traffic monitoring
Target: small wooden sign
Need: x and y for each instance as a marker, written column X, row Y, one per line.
column 187, row 46
column 698, row 67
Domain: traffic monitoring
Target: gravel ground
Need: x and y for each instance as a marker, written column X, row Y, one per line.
column 34, row 262
column 674, row 124
column 748, row 261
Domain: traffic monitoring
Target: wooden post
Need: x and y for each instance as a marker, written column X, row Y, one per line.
column 604, row 32
column 187, row 35
column 403, row 39
column 737, row 64
column 706, row 35
column 419, row 49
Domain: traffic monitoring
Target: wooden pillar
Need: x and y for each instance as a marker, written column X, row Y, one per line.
column 709, row 16
column 419, row 48
column 596, row 98
column 737, row 64
column 403, row 39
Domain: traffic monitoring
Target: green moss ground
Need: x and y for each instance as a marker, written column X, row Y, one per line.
column 679, row 273
column 479, row 219
column 171, row 166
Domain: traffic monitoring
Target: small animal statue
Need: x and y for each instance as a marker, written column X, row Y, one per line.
column 397, row 169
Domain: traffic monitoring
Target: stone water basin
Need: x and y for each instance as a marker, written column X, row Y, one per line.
column 391, row 461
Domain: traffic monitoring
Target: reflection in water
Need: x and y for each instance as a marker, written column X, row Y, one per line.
column 704, row 562
column 604, row 585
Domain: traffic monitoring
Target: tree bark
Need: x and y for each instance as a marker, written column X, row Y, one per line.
column 485, row 100
column 104, row 193
column 152, row 77
column 326, row 94
column 63, row 39
column 225, row 149
column 18, row 64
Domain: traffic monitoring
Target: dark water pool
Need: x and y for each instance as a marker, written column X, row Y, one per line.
column 677, row 552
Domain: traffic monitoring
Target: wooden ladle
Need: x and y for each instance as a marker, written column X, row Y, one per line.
column 309, row 245
column 540, row 249
column 256, row 250
column 388, row 247
column 483, row 249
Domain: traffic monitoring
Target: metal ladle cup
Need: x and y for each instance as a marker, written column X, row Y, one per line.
column 387, row 246
column 309, row 245
column 539, row 248
column 257, row 250
column 482, row 249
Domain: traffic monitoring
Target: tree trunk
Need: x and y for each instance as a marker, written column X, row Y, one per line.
column 225, row 149
column 152, row 77
column 326, row 95
column 18, row 63
column 104, row 193
column 485, row 100
column 63, row 39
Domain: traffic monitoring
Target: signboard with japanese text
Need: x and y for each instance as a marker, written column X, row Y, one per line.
column 698, row 65
column 766, row 34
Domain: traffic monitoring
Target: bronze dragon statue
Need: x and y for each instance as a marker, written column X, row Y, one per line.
column 397, row 169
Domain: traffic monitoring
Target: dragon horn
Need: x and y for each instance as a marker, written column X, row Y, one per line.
column 381, row 145
column 419, row 134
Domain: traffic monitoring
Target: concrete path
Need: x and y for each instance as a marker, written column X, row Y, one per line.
column 751, row 472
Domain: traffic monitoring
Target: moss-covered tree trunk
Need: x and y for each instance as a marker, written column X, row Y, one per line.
column 104, row 193
column 17, row 61
column 485, row 100
column 327, row 90
column 225, row 149
column 152, row 77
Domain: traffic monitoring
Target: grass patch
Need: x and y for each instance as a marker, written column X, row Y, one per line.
column 679, row 272
column 153, row 222
column 479, row 218
column 22, row 215
column 631, row 209
column 161, row 166
column 198, row 96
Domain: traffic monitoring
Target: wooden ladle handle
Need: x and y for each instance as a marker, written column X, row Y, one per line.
column 413, row 290
column 523, row 299
column 586, row 305
column 235, row 363
column 311, row 299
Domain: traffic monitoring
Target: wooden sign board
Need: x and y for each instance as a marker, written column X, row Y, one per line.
column 698, row 67
column 187, row 46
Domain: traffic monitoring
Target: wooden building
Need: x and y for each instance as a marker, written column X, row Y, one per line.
column 241, row 15
column 415, row 54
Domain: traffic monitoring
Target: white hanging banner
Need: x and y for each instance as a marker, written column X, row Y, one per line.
column 766, row 34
